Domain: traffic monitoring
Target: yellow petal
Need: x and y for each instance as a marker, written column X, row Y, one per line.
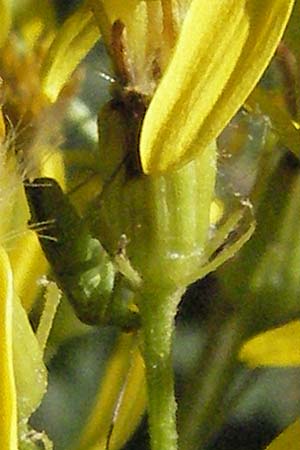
column 29, row 265
column 8, row 421
column 5, row 11
column 27, row 259
column 278, row 347
column 32, row 17
column 132, row 405
column 120, row 401
column 74, row 40
column 289, row 439
column 222, row 51
column 2, row 124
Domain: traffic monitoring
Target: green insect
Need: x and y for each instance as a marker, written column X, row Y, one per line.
column 81, row 267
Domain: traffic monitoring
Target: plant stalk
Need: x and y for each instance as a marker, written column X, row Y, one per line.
column 158, row 308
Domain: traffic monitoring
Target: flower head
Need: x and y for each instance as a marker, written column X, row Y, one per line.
column 196, row 61
column 221, row 52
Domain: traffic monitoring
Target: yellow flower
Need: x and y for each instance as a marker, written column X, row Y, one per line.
column 279, row 347
column 289, row 439
column 8, row 423
column 263, row 282
column 23, row 375
column 28, row 115
column 23, row 380
column 191, row 64
column 200, row 59
column 5, row 9
column 276, row 287
column 206, row 82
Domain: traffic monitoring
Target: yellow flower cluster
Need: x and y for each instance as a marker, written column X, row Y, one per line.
column 195, row 63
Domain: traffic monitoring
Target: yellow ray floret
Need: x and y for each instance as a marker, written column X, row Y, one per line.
column 278, row 347
column 76, row 37
column 222, row 50
column 8, row 421
column 288, row 439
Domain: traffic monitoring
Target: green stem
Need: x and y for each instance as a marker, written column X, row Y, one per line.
column 158, row 309
column 202, row 409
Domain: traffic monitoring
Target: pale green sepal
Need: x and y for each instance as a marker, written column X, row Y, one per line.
column 222, row 51
column 288, row 439
column 233, row 222
column 74, row 40
column 52, row 300
column 166, row 218
column 8, row 420
column 230, row 249
column 5, row 11
column 277, row 347
column 30, row 371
